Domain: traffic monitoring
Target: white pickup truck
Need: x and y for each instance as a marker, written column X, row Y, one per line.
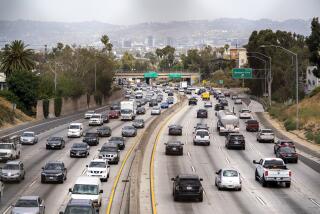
column 272, row 170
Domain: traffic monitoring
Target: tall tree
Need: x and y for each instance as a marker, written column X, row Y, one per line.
column 17, row 56
column 107, row 44
column 313, row 42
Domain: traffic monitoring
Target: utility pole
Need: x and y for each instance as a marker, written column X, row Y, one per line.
column 95, row 76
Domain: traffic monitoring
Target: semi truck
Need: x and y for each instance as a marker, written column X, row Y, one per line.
column 227, row 122
column 128, row 110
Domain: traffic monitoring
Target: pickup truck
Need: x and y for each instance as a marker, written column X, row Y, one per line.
column 272, row 170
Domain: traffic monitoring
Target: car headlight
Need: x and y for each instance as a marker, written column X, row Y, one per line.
column 59, row 174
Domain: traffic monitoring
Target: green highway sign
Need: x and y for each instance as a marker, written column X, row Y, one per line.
column 242, row 73
column 174, row 75
column 150, row 74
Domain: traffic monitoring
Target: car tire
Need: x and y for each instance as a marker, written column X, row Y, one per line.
column 244, row 148
column 256, row 175
column 264, row 182
column 239, row 189
column 288, row 184
column 296, row 161
column 42, row 180
column 18, row 155
column 175, row 198
column 201, row 198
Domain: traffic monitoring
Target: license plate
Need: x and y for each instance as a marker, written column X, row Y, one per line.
column 174, row 149
column 189, row 188
column 278, row 178
column 51, row 178
column 236, row 142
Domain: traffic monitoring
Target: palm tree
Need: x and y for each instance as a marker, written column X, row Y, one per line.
column 106, row 42
column 16, row 56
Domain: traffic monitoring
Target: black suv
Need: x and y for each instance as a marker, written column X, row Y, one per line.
column 54, row 171
column 175, row 130
column 118, row 141
column 79, row 150
column 218, row 107
column 55, row 143
column 187, row 186
column 235, row 140
column 193, row 101
column 174, row 148
column 104, row 131
column 141, row 110
column 202, row 113
column 153, row 102
column 91, row 138
column 79, row 205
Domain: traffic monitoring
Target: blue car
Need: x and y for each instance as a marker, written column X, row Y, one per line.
column 164, row 105
column 170, row 101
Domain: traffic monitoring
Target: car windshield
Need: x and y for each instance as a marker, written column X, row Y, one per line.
column 274, row 164
column 78, row 210
column 26, row 203
column 74, row 127
column 245, row 111
column 189, row 181
column 27, row 134
column 116, row 139
column 54, row 138
column 85, row 189
column 109, row 149
column 5, row 146
column 79, row 145
column 266, row 131
column 90, row 112
column 202, row 133
column 98, row 164
column 91, row 134
column 236, row 137
column 126, row 111
column 95, row 116
column 53, row 166
column 287, row 150
column 230, row 173
column 11, row 167
column 128, row 128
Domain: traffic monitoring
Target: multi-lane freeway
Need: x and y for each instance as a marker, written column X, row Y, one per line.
column 156, row 186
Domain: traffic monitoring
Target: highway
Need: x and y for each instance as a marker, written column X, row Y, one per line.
column 302, row 197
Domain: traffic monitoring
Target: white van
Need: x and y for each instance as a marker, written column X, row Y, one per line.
column 96, row 120
column 87, row 188
column 75, row 130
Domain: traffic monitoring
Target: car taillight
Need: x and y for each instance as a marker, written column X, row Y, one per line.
column 266, row 173
column 290, row 173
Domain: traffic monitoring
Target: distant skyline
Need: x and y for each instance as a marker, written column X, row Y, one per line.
column 127, row 12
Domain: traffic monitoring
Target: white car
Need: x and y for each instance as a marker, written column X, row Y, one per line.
column 156, row 110
column 28, row 138
column 96, row 119
column 208, row 104
column 228, row 179
column 88, row 114
column 238, row 101
column 265, row 135
column 99, row 168
column 75, row 130
column 201, row 136
column 245, row 114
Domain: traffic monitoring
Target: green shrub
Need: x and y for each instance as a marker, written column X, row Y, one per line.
column 57, row 106
column 45, row 108
column 317, row 138
column 314, row 92
column 290, row 124
column 309, row 135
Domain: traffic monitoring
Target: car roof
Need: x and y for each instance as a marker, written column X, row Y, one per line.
column 88, row 180
column 80, row 202
column 75, row 123
column 174, row 142
column 266, row 130
column 29, row 197
column 99, row 160
column 14, row 162
column 235, row 134
column 188, row 176
column 31, row 132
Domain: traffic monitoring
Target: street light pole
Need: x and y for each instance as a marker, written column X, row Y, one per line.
column 95, row 76
column 265, row 70
column 297, row 79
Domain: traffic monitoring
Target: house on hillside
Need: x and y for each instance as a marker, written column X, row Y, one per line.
column 3, row 84
column 240, row 55
column 311, row 80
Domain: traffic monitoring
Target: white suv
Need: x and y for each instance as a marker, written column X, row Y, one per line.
column 202, row 136
column 99, row 168
column 96, row 119
column 245, row 114
column 265, row 135
column 75, row 130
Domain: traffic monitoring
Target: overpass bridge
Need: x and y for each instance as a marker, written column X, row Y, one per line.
column 190, row 77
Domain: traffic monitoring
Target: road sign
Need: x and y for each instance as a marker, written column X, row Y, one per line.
column 150, row 74
column 174, row 75
column 242, row 73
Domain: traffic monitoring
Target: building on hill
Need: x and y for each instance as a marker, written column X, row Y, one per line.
column 311, row 80
column 240, row 55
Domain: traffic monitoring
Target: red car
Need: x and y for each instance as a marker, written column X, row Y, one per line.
column 114, row 114
column 252, row 126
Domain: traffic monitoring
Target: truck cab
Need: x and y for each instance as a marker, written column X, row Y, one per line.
column 128, row 110
column 10, row 148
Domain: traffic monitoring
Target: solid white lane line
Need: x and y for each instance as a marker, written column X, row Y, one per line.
column 188, row 153
column 193, row 169
column 261, row 201
column 5, row 212
column 314, row 201
column 228, row 161
column 33, row 183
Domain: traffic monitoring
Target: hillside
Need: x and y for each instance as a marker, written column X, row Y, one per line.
column 8, row 117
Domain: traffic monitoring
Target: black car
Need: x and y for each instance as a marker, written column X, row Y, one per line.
column 79, row 205
column 79, row 150
column 202, row 113
column 187, row 186
column 91, row 138
column 174, row 148
column 110, row 152
column 115, row 106
column 235, row 140
column 55, row 143
column 218, row 107
column 223, row 102
column 175, row 130
column 104, row 131
column 138, row 123
column 153, row 102
column 193, row 101
column 287, row 154
column 141, row 110
column 201, row 90
column 105, row 118
column 54, row 171
column 129, row 131
column 118, row 141
column 170, row 93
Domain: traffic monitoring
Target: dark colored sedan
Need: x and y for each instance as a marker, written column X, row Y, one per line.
column 202, row 113
column 219, row 107
column 141, row 110
column 91, row 138
column 175, row 130
column 235, row 140
column 129, row 131
column 138, row 123
column 174, row 148
column 187, row 186
column 104, row 131
column 54, row 171
column 118, row 141
column 55, row 143
column 287, row 154
column 79, row 150
column 224, row 102
column 164, row 105
column 252, row 125
column 113, row 114
column 105, row 118
column 193, row 101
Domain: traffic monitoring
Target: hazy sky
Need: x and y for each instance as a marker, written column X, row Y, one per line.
column 137, row 11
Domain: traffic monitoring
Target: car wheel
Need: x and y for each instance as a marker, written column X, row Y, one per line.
column 201, row 198
column 239, row 189
column 18, row 155
column 264, row 182
column 175, row 198
column 256, row 175
column 296, row 161
column 288, row 185
column 42, row 180
column 244, row 148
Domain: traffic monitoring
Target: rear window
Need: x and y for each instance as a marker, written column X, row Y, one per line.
column 236, row 137
column 267, row 131
column 91, row 134
column 274, row 164
column 190, row 181
column 202, row 133
column 287, row 150
column 230, row 173
column 252, row 122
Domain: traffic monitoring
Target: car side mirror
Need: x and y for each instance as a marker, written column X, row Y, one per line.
column 118, row 150
column 165, row 143
column 217, row 173
column 255, row 162
column 182, row 144
column 86, row 165
column 101, row 191
column 41, row 205
column 70, row 190
column 108, row 166
column 61, row 212
column 99, row 150
column 42, row 168
column 201, row 179
column 173, row 179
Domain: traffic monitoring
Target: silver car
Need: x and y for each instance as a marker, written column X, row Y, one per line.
column 28, row 138
column 12, row 171
column 29, row 204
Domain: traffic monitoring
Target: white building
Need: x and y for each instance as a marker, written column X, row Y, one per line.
column 311, row 81
column 3, row 83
